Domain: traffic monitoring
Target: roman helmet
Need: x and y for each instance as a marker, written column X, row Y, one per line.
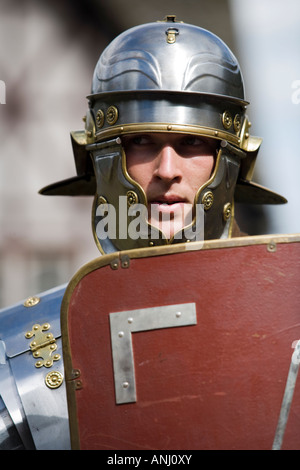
column 169, row 77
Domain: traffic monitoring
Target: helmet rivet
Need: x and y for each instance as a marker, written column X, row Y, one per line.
column 237, row 123
column 227, row 211
column 112, row 115
column 99, row 118
column 226, row 120
column 169, row 127
column 207, row 200
column 132, row 198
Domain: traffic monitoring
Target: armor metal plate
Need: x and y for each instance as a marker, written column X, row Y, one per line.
column 220, row 382
column 35, row 400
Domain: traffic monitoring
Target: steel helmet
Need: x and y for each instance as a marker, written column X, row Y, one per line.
column 168, row 77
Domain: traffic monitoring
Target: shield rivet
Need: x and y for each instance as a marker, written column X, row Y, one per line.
column 125, row 384
column 271, row 247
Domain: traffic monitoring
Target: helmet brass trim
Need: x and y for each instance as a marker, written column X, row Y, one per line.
column 149, row 127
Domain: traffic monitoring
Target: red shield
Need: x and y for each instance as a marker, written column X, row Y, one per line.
column 185, row 348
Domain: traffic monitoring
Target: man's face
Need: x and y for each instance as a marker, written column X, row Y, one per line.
column 170, row 168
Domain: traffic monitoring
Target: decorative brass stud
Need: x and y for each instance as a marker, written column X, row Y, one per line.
column 237, row 123
column 31, row 301
column 207, row 200
column 227, row 209
column 227, row 120
column 132, row 198
column 99, row 118
column 54, row 379
column 112, row 115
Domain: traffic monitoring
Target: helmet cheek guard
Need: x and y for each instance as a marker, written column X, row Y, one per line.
column 217, row 197
column 173, row 78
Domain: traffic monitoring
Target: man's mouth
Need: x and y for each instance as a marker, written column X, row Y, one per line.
column 164, row 199
column 168, row 204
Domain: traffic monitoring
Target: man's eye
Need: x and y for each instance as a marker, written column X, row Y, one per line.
column 193, row 141
column 135, row 140
column 141, row 140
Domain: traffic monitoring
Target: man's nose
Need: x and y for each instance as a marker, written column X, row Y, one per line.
column 168, row 164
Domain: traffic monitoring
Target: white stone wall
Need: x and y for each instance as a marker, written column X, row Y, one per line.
column 47, row 78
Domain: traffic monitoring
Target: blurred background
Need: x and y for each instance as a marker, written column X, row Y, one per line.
column 48, row 52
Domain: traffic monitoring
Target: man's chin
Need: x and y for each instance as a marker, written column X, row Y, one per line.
column 170, row 218
column 176, row 209
column 169, row 229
